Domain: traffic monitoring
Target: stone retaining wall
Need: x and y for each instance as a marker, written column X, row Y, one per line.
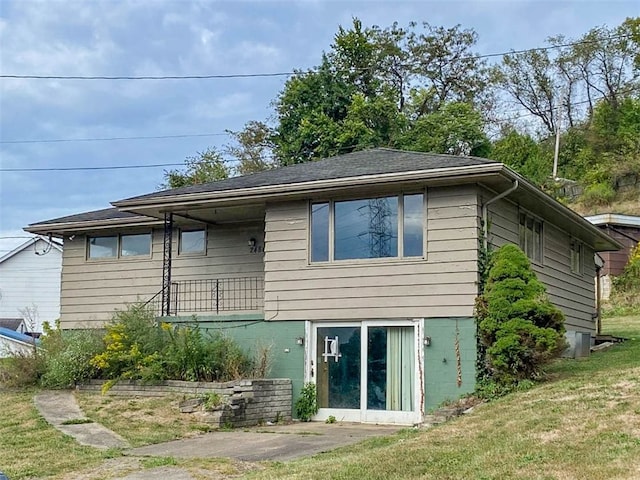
column 244, row 402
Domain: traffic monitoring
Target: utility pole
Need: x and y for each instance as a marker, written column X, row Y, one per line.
column 557, row 148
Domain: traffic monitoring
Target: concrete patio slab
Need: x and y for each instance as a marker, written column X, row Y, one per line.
column 280, row 442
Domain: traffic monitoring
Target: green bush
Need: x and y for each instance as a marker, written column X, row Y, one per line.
column 66, row 356
column 22, row 369
column 140, row 349
column 598, row 195
column 520, row 329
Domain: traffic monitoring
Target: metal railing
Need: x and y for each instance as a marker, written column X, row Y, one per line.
column 217, row 295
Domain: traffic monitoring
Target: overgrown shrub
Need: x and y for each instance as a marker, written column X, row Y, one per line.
column 60, row 360
column 519, row 327
column 66, row 356
column 21, row 369
column 140, row 349
column 598, row 195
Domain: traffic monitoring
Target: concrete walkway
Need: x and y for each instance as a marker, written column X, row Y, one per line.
column 278, row 442
column 60, row 406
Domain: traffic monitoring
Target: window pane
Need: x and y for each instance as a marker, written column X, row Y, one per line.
column 537, row 241
column 132, row 245
column 523, row 232
column 529, row 238
column 413, row 240
column 192, row 241
column 103, row 247
column 366, row 228
column 320, row 232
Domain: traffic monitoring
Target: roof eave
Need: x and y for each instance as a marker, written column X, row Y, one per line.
column 59, row 229
column 608, row 243
column 274, row 191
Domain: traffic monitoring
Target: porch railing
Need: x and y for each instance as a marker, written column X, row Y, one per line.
column 217, row 295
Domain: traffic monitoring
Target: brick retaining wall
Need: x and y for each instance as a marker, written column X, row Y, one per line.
column 246, row 402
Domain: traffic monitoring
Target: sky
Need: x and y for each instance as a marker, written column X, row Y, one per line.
column 168, row 38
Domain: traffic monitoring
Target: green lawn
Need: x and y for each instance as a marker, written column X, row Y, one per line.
column 30, row 447
column 582, row 423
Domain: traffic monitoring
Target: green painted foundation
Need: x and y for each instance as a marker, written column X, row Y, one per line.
column 252, row 333
column 441, row 361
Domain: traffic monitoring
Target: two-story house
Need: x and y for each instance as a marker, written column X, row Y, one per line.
column 360, row 270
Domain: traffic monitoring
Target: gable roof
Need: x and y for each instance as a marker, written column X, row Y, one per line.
column 11, row 323
column 378, row 161
column 29, row 243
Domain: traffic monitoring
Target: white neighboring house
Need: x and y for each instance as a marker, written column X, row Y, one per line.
column 30, row 279
column 15, row 343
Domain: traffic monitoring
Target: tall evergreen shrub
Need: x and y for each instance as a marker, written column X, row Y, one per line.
column 520, row 328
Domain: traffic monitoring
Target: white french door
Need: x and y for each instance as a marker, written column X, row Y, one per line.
column 367, row 371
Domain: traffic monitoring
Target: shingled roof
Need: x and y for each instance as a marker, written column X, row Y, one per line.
column 95, row 215
column 366, row 162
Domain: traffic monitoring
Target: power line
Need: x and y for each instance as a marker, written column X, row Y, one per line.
column 282, row 74
column 108, row 139
column 75, row 169
column 149, row 77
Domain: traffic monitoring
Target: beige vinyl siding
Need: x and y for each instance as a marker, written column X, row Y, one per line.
column 573, row 294
column 442, row 285
column 93, row 289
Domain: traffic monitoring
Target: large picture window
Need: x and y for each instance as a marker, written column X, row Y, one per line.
column 531, row 237
column 380, row 227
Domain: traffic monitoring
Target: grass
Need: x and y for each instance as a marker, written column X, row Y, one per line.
column 26, row 439
column 142, row 421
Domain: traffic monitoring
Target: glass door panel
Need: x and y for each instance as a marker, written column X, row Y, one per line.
column 390, row 368
column 338, row 367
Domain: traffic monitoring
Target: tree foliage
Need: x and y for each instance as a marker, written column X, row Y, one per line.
column 253, row 148
column 386, row 87
column 207, row 166
column 520, row 328
column 424, row 87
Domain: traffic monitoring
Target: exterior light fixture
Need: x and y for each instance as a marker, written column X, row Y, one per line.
column 300, row 340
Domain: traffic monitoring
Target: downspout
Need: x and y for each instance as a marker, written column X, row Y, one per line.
column 485, row 211
column 599, row 295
